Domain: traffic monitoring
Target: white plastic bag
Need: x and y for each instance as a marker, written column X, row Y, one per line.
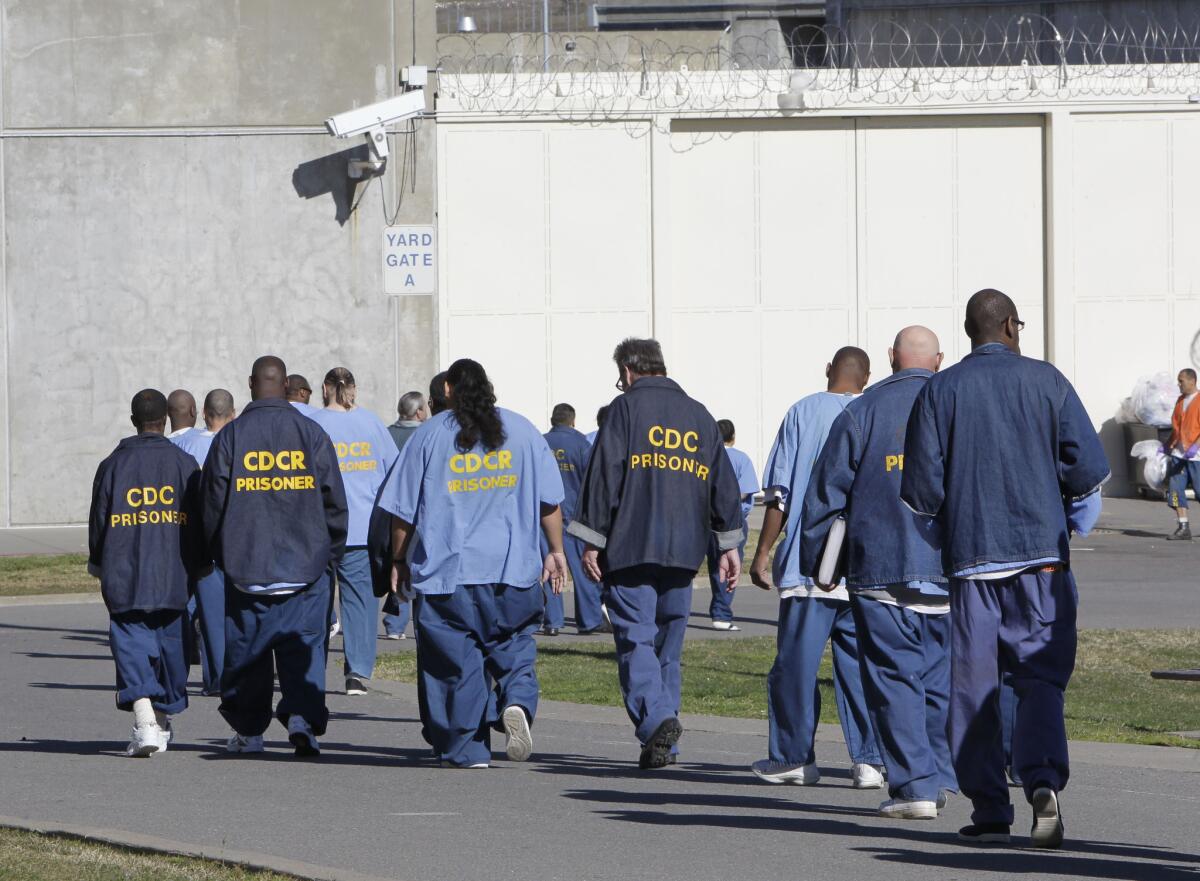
column 1154, row 468
column 1154, row 399
column 1125, row 412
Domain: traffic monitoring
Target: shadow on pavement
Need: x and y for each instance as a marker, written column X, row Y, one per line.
column 1085, row 859
column 1074, row 859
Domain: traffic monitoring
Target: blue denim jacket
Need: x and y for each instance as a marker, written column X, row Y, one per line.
column 858, row 475
column 997, row 446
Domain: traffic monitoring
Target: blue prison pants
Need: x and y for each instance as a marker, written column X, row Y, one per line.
column 467, row 640
column 1020, row 628
column 267, row 635
column 649, row 607
column 359, row 613
column 793, row 696
column 151, row 658
column 210, row 607
column 905, row 659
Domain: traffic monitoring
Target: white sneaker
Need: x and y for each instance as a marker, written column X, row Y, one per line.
column 393, row 636
column 909, row 809
column 475, row 767
column 301, row 736
column 866, row 777
column 145, row 741
column 237, row 743
column 725, row 625
column 783, row 772
column 518, row 741
column 943, row 799
column 335, row 629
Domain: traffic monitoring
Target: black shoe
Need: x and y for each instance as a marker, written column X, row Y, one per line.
column 550, row 631
column 355, row 686
column 985, row 833
column 1047, row 828
column 657, row 751
column 1183, row 532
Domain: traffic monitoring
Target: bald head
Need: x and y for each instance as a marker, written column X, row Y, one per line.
column 268, row 378
column 848, row 371
column 915, row 346
column 992, row 318
column 218, row 409
column 181, row 409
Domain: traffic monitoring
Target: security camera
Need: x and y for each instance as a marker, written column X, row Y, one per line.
column 371, row 121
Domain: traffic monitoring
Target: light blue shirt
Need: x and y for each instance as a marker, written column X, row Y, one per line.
column 476, row 515
column 307, row 409
column 789, row 466
column 195, row 443
column 747, row 478
column 365, row 452
column 591, row 436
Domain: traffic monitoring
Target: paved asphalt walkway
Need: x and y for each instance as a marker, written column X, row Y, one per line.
column 374, row 805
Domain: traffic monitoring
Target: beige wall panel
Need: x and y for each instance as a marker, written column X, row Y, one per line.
column 1000, row 215
column 496, row 259
column 908, row 219
column 1122, row 207
column 806, row 216
column 713, row 250
column 1185, row 184
column 599, row 218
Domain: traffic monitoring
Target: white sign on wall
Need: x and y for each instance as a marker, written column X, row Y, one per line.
column 409, row 260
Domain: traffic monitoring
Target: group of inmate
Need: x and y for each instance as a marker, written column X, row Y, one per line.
column 921, row 526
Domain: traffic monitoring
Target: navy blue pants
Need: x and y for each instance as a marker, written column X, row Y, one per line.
column 359, row 608
column 210, row 607
column 649, row 608
column 1181, row 473
column 151, row 658
column 1022, row 627
column 905, row 659
column 267, row 635
column 467, row 640
column 721, row 606
column 793, row 696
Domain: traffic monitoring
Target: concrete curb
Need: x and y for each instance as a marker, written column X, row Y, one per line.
column 153, row 844
column 51, row 599
column 1114, row 755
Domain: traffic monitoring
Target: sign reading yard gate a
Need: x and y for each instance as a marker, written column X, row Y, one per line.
column 409, row 260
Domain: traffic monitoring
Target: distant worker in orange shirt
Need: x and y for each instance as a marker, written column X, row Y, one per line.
column 1184, row 450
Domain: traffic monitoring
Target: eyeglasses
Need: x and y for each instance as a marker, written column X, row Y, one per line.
column 1019, row 323
column 620, row 385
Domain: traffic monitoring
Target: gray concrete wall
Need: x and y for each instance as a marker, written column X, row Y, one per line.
column 171, row 209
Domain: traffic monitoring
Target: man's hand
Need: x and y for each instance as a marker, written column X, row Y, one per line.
column 730, row 569
column 591, row 564
column 400, row 575
column 554, row 570
column 760, row 570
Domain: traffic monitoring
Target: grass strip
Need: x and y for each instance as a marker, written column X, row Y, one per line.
column 56, row 573
column 34, row 856
column 1111, row 697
